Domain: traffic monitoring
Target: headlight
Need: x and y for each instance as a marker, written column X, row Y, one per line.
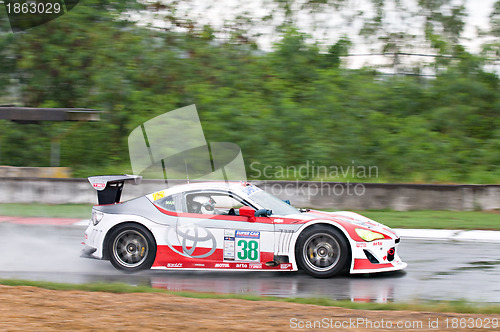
column 96, row 217
column 368, row 235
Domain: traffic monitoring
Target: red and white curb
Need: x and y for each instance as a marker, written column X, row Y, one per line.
column 83, row 222
column 44, row 221
column 449, row 234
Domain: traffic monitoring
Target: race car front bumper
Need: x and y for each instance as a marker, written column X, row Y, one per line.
column 376, row 256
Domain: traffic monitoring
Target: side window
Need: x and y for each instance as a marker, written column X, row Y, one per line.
column 169, row 203
column 213, row 203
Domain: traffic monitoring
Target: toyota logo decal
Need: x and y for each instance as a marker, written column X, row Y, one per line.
column 191, row 237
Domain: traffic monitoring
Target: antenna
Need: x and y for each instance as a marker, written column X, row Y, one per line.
column 187, row 172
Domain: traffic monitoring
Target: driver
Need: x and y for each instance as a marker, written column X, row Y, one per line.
column 202, row 204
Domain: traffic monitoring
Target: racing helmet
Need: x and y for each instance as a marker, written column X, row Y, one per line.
column 203, row 204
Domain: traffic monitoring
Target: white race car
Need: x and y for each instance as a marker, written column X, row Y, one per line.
column 231, row 226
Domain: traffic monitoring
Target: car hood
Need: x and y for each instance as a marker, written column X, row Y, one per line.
column 345, row 218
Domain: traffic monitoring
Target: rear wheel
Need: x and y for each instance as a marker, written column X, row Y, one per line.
column 322, row 251
column 131, row 248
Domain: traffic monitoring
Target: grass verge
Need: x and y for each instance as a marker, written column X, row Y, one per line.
column 488, row 220
column 46, row 210
column 427, row 306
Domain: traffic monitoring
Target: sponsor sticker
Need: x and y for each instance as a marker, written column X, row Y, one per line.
column 255, row 266
column 250, row 189
column 360, row 245
column 174, row 264
column 158, row 195
column 99, row 185
column 229, row 245
column 241, row 246
column 248, row 234
column 223, row 265
column 285, row 266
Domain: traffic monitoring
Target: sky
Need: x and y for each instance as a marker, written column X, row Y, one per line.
column 328, row 27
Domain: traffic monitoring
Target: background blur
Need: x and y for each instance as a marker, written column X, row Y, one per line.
column 410, row 87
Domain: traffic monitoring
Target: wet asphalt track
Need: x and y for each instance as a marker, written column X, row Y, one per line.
column 437, row 270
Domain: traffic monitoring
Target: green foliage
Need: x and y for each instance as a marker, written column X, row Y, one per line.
column 283, row 108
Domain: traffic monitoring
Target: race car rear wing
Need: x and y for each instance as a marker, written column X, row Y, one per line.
column 109, row 187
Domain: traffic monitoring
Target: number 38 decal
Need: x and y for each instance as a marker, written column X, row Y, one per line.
column 248, row 250
column 247, row 246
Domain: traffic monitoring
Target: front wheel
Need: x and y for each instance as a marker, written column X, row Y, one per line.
column 322, row 251
column 131, row 248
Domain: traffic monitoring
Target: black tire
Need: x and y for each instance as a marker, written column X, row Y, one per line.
column 322, row 251
column 131, row 248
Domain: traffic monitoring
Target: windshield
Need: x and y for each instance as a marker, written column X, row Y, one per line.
column 270, row 202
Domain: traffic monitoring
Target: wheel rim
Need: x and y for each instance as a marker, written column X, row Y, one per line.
column 130, row 248
column 321, row 252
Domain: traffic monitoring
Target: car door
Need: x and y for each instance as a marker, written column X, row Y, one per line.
column 211, row 234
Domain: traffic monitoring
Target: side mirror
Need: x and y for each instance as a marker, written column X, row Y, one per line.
column 263, row 213
column 247, row 211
